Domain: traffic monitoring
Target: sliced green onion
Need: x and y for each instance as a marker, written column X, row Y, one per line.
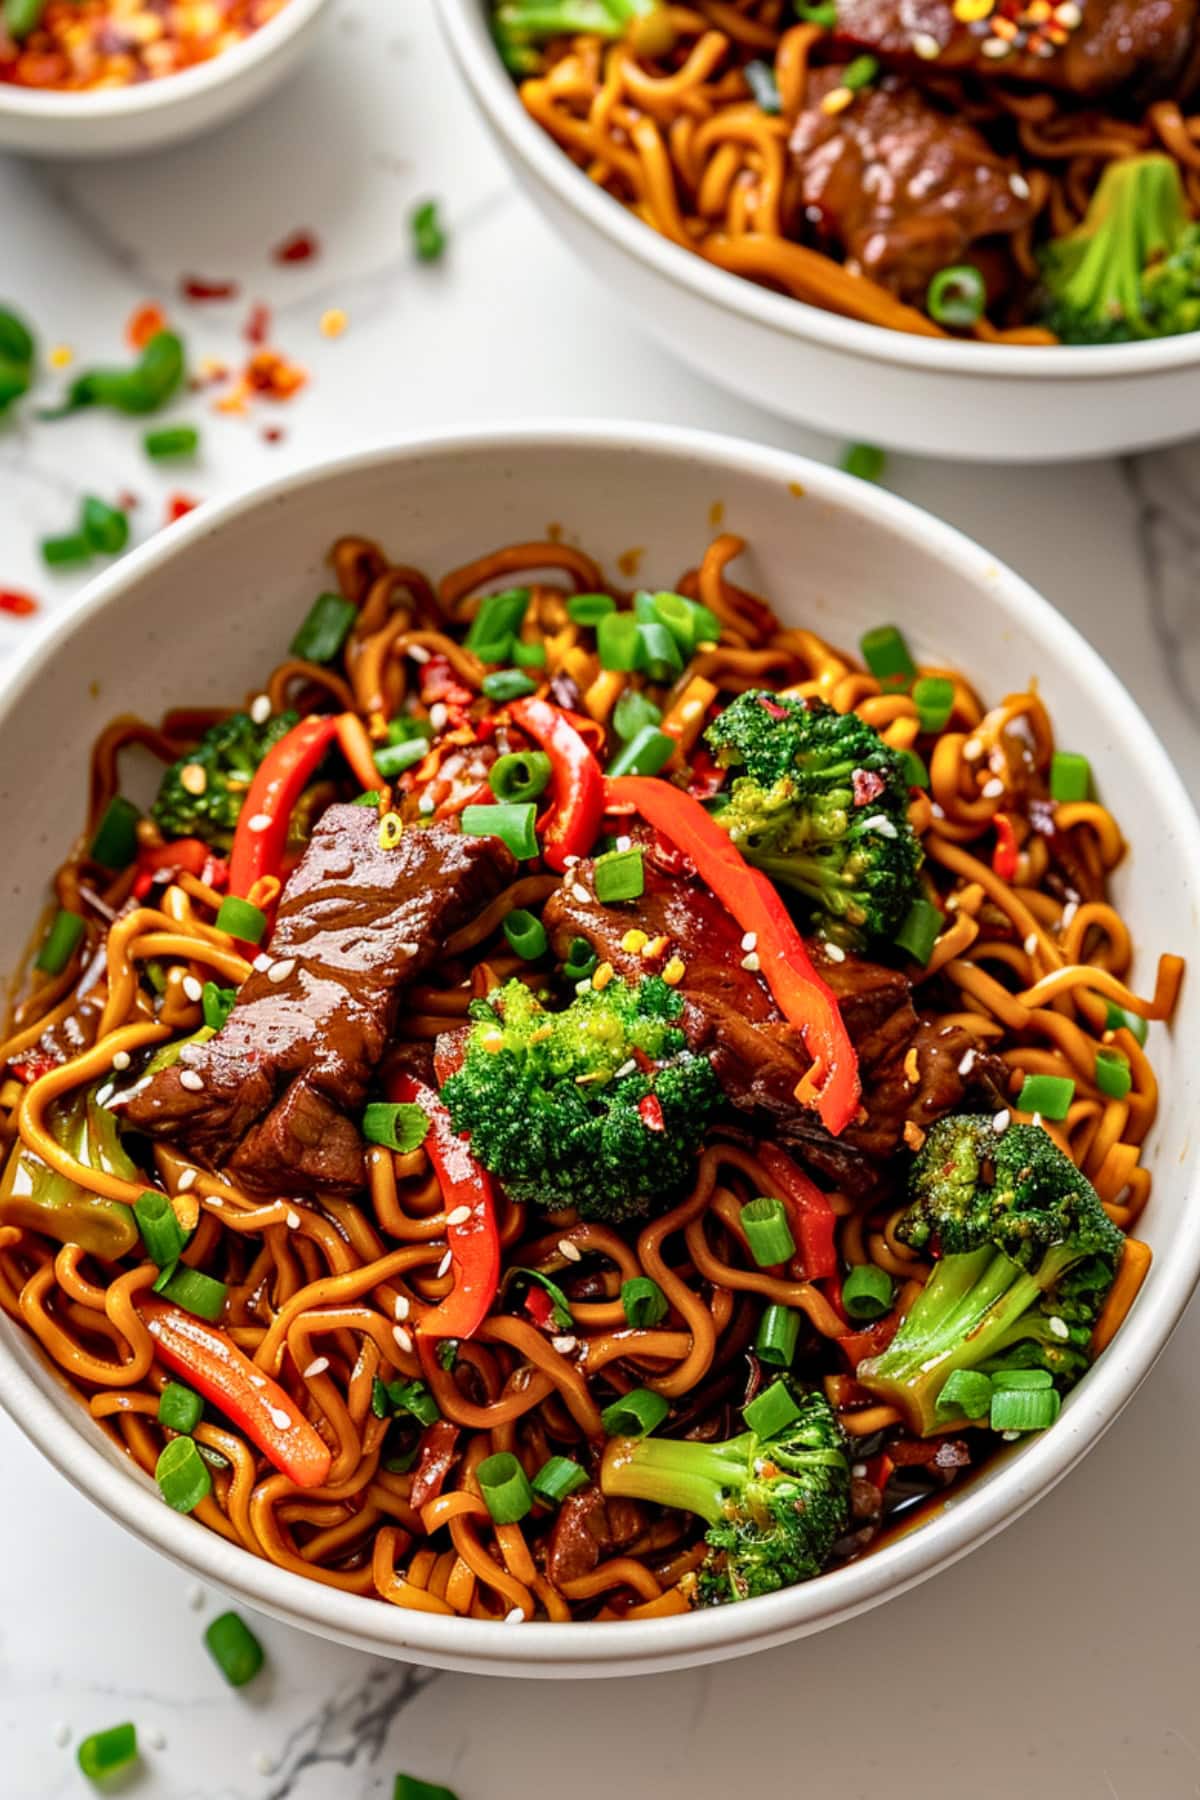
column 1070, row 776
column 392, row 759
column 508, row 684
column 234, row 1648
column 620, row 875
column 521, row 775
column 1113, row 1074
column 179, row 1409
column 162, row 1234
column 658, row 652
column 498, row 620
column 765, row 1223
column 589, row 609
column 197, row 1293
column 867, row 1291
column 558, row 1477
column 771, row 1410
column 216, row 1003
column 165, row 1274
column 397, row 1125
column 115, row 843
column 860, row 73
column 956, row 296
column 182, row 1475
column 560, row 1307
column 529, row 656
column 933, row 697
column 816, row 12
column 965, row 1394
column 105, row 1752
column 688, row 622
column 632, row 713
column 778, row 1333
column 1049, row 1095
column 404, row 729
column 328, row 625
column 409, row 1788
column 20, row 18
column 915, row 772
column 867, row 461
column 172, row 440
column 617, row 641
column 428, row 238
column 526, row 935
column 1118, row 1019
column 370, row 798
column 241, row 919
column 919, row 930
column 61, row 942
column 1006, row 1380
column 644, row 754
column 513, row 824
column 447, row 1353
column 643, row 1301
column 888, row 657
column 105, row 527
column 505, row 1487
column 414, row 1398
column 1024, row 1409
column 581, row 962
column 760, row 79
column 635, row 1414
column 61, row 552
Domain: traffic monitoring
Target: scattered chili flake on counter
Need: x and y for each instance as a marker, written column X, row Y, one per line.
column 16, row 604
column 201, row 287
column 143, row 323
column 178, row 507
column 258, row 325
column 86, row 44
column 300, row 246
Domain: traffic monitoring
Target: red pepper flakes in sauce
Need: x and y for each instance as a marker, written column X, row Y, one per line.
column 81, row 45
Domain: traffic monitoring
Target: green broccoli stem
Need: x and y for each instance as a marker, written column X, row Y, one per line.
column 676, row 1472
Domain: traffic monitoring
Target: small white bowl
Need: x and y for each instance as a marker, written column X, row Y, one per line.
column 199, row 614
column 150, row 114
column 972, row 402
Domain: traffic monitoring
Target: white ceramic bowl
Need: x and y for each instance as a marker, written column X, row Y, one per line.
column 982, row 403
column 119, row 121
column 200, row 613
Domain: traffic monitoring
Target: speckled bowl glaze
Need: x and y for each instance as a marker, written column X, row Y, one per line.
column 198, row 615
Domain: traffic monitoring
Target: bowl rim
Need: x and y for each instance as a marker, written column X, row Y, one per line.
column 466, row 30
column 641, row 1645
column 145, row 98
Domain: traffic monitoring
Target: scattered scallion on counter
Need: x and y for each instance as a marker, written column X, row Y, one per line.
column 171, row 440
column 866, row 461
column 234, row 1648
column 107, row 1753
column 428, row 237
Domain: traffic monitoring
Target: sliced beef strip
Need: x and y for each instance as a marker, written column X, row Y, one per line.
column 580, row 1535
column 274, row 1093
column 758, row 1058
column 901, row 187
column 1135, row 47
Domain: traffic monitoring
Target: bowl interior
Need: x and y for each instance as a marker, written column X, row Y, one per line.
column 200, row 616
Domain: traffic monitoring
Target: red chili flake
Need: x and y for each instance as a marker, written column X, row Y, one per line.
column 651, row 1113
column 1004, row 856
column 438, row 682
column 200, row 287
column 771, row 706
column 867, row 786
column 127, row 500
column 301, row 246
column 258, row 325
column 271, row 375
column 539, row 1306
column 178, row 507
column 18, row 605
column 144, row 323
column 272, row 434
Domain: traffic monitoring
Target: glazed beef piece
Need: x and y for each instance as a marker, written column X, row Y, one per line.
column 900, row 187
column 1139, row 48
column 274, row 1095
column 758, row 1058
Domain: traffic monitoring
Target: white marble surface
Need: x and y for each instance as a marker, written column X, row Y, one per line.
column 1060, row 1660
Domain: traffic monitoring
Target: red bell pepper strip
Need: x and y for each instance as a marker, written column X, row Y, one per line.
column 280, row 779
column 832, row 1084
column 578, row 782
column 1004, row 856
column 210, row 1360
column 811, row 1211
column 189, row 854
column 857, row 1346
column 474, row 1241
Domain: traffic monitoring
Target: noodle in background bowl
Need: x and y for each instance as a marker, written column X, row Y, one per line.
column 937, row 396
column 198, row 613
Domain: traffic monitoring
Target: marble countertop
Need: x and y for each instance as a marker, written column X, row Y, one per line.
column 1062, row 1658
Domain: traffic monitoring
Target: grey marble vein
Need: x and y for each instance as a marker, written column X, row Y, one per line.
column 350, row 1730
column 1165, row 485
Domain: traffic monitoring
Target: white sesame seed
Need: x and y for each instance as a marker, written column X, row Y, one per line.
column 409, row 947
column 280, row 1418
column 994, row 48
column 121, row 1059
column 62, row 1734
column 259, row 822
column 624, row 843
column 195, row 1596
column 402, row 1307
column 438, row 715
column 1031, row 944
column 317, row 1366
column 1001, row 1120
column 403, row 1337
column 189, row 1079
column 626, row 1068
column 261, row 963
column 459, row 1216
column 1058, row 1327
column 926, row 46
column 580, row 893
column 569, row 862
column 939, row 812
column 571, row 1251
column 1068, row 913
column 187, row 1179
column 1018, row 185
column 153, row 1738
column 214, row 1200
column 279, row 971
column 419, row 653
column 882, row 824
column 750, row 961
column 972, row 750
column 257, row 1381
column 515, row 1617
column 154, row 1327
column 1037, row 1118
column 426, row 804
column 190, row 1053
column 443, row 1267
column 194, row 778
column 263, row 1762
column 565, row 1345
column 858, row 1470
column 192, row 988
column 835, row 953
column 968, row 1062
column 750, row 940
column 260, row 708
column 993, row 789
column 293, row 1220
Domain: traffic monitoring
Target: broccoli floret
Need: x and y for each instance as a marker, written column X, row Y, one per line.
column 775, row 1507
column 226, row 756
column 1132, row 268
column 520, row 27
column 1026, row 1255
column 820, row 804
column 600, row 1106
